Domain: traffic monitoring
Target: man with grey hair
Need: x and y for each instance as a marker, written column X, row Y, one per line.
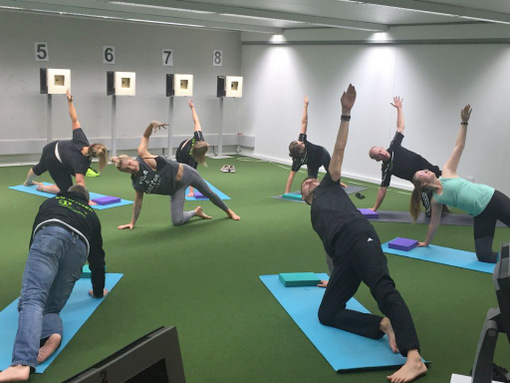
column 65, row 233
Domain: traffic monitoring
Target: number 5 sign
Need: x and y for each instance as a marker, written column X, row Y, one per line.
column 217, row 59
column 41, row 52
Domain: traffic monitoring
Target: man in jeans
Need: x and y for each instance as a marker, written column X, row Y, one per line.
column 66, row 231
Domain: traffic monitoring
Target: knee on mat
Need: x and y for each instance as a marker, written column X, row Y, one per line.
column 325, row 316
column 178, row 221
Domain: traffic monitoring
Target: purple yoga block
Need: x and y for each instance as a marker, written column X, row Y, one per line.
column 369, row 213
column 404, row 244
column 106, row 200
column 199, row 195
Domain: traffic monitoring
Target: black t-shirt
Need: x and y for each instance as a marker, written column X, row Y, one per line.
column 312, row 157
column 161, row 181
column 403, row 163
column 183, row 153
column 74, row 211
column 70, row 153
column 336, row 219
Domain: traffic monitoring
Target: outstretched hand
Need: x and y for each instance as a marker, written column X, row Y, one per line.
column 465, row 113
column 69, row 95
column 306, row 100
column 158, row 125
column 127, row 226
column 190, row 104
column 348, row 98
column 397, row 102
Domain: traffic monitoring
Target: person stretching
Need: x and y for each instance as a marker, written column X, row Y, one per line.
column 67, row 158
column 152, row 174
column 353, row 245
column 482, row 202
column 399, row 161
column 306, row 153
column 192, row 151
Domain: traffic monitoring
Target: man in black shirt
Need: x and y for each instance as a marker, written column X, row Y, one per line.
column 66, row 231
column 398, row 161
column 304, row 152
column 352, row 243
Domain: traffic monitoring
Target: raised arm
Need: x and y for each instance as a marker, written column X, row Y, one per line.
column 304, row 119
column 335, row 165
column 398, row 104
column 72, row 111
column 137, row 208
column 144, row 142
column 194, row 115
column 450, row 167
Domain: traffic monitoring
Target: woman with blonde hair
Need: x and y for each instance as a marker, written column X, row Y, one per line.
column 192, row 151
column 152, row 174
column 67, row 158
column 483, row 202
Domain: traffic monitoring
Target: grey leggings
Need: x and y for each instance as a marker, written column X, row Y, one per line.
column 190, row 177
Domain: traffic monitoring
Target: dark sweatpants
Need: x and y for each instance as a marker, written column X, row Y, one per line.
column 485, row 226
column 366, row 263
column 314, row 164
column 58, row 172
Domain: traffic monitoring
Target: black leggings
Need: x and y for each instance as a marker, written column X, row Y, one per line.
column 58, row 172
column 485, row 226
column 315, row 163
column 366, row 263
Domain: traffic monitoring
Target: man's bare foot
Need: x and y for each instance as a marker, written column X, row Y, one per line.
column 200, row 213
column 30, row 183
column 233, row 215
column 385, row 327
column 17, row 373
column 49, row 347
column 413, row 369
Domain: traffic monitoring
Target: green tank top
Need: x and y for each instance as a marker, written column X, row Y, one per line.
column 468, row 196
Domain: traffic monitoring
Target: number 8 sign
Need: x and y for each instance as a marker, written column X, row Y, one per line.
column 217, row 58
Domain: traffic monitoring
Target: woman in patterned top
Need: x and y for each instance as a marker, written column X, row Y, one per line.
column 152, row 174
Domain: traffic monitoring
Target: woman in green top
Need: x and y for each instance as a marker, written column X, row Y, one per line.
column 483, row 202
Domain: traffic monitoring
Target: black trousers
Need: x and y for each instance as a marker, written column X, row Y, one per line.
column 314, row 164
column 58, row 172
column 366, row 263
column 485, row 226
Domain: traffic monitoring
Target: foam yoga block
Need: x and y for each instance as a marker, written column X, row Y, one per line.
column 106, row 200
column 299, row 279
column 404, row 244
column 199, row 195
column 293, row 196
column 85, row 271
column 369, row 213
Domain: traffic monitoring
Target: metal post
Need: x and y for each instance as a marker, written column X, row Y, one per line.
column 220, row 130
column 114, row 126
column 170, row 126
column 49, row 120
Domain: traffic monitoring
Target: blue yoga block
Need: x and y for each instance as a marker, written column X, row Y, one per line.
column 404, row 244
column 299, row 279
column 293, row 196
column 85, row 271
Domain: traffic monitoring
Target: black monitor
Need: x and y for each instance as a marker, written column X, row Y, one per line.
column 496, row 321
column 155, row 358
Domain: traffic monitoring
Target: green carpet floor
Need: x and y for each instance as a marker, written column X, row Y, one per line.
column 203, row 278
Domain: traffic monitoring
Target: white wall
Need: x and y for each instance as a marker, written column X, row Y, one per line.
column 434, row 79
column 77, row 44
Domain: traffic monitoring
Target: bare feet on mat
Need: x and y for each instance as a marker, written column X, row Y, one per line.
column 49, row 347
column 386, row 327
column 48, row 188
column 200, row 213
column 413, row 369
column 15, row 374
column 30, row 183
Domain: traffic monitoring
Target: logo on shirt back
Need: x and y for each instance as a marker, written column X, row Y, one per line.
column 369, row 239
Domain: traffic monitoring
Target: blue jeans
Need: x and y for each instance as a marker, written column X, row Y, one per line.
column 53, row 266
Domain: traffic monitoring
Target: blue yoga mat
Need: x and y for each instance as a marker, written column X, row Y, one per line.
column 343, row 350
column 220, row 194
column 78, row 309
column 33, row 190
column 445, row 256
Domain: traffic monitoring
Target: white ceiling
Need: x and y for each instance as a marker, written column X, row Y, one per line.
column 274, row 16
